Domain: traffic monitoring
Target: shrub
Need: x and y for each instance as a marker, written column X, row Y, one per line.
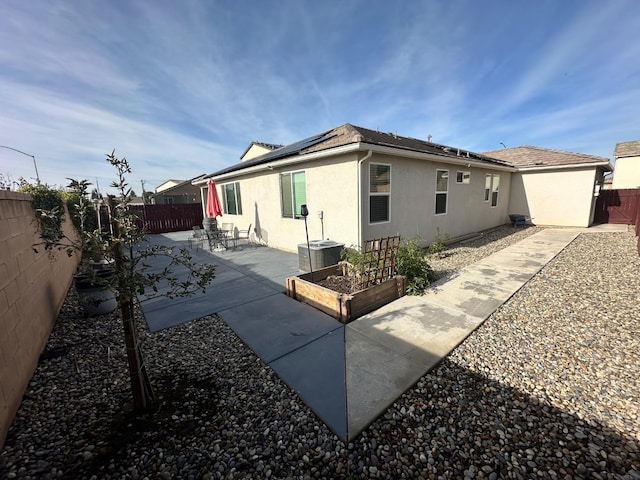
column 412, row 263
column 439, row 243
column 49, row 206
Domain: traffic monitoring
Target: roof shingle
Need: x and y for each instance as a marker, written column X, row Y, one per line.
column 531, row 157
column 627, row 149
column 347, row 134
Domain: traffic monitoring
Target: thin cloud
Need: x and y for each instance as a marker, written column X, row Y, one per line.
column 181, row 88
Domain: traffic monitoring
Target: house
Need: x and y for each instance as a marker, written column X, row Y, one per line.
column 255, row 149
column 627, row 158
column 177, row 191
column 554, row 187
column 167, row 184
column 360, row 184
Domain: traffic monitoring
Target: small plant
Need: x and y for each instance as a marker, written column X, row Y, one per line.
column 412, row 263
column 439, row 244
column 351, row 261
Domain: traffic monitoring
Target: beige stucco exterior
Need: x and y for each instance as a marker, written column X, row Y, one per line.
column 412, row 201
column 332, row 185
column 560, row 197
column 168, row 184
column 255, row 150
column 185, row 193
column 627, row 173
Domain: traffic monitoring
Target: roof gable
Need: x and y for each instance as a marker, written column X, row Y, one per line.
column 256, row 149
column 627, row 149
column 537, row 157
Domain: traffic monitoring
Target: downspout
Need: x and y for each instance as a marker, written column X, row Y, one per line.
column 366, row 157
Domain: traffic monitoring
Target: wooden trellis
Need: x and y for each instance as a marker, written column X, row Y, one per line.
column 378, row 261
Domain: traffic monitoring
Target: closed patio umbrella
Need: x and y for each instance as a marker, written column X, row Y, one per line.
column 213, row 202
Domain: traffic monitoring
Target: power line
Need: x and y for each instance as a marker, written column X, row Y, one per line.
column 28, row 155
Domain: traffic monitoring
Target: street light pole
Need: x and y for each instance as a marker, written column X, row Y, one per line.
column 35, row 165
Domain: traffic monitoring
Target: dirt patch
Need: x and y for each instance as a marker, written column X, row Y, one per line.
column 340, row 284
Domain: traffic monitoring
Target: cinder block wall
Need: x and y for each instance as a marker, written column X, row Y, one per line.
column 32, row 290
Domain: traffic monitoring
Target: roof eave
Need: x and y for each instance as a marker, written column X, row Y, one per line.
column 354, row 147
column 454, row 160
column 606, row 165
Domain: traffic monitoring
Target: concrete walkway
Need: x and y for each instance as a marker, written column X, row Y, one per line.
column 351, row 374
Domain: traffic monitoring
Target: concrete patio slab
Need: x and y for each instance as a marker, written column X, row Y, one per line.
column 316, row 372
column 349, row 375
column 277, row 325
column 376, row 376
column 214, row 301
column 468, row 294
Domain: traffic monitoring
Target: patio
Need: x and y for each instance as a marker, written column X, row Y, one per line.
column 545, row 387
column 350, row 374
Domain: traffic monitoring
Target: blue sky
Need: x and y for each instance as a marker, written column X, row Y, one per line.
column 182, row 87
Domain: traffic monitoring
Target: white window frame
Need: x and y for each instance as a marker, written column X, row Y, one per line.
column 463, row 177
column 487, row 187
column 295, row 215
column 380, row 194
column 236, row 196
column 495, row 189
column 441, row 192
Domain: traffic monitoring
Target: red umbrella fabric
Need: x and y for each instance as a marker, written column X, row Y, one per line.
column 213, row 203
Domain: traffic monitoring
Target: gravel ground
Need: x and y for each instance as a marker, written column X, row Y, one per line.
column 547, row 387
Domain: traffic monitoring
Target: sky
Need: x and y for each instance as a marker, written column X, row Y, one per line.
column 181, row 88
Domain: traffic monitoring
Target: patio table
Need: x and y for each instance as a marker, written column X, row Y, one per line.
column 221, row 237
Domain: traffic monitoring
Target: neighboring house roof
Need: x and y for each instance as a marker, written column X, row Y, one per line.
column 268, row 146
column 527, row 157
column 627, row 149
column 349, row 134
column 167, row 184
column 182, row 183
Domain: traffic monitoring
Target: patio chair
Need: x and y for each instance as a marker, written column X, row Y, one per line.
column 197, row 237
column 225, row 234
column 244, row 235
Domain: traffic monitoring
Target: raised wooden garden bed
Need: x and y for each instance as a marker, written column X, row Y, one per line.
column 342, row 306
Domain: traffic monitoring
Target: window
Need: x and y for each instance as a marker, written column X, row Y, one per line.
column 487, row 187
column 168, row 200
column 293, row 192
column 232, row 203
column 494, row 190
column 463, row 177
column 442, row 190
column 379, row 192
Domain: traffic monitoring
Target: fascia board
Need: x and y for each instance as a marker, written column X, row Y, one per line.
column 354, row 147
column 606, row 165
column 463, row 161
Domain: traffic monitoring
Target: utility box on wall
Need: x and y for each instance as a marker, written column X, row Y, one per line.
column 324, row 253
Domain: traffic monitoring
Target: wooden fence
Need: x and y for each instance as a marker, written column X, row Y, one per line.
column 169, row 218
column 618, row 206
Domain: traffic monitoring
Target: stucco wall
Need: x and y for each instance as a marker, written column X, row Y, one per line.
column 330, row 187
column 555, row 197
column 412, row 202
column 32, row 290
column 627, row 173
column 183, row 194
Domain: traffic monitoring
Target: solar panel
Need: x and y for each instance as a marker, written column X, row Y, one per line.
column 275, row 154
column 294, row 147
